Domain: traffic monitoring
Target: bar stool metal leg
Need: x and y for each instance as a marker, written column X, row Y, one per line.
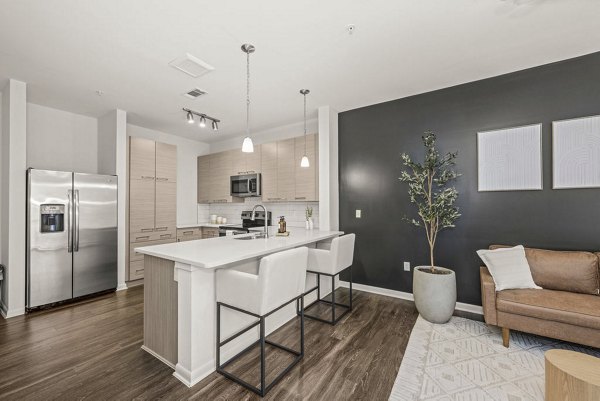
column 333, row 303
column 262, row 341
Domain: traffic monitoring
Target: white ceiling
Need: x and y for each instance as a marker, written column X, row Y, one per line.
column 66, row 50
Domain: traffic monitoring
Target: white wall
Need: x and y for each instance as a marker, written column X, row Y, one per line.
column 59, row 140
column 12, row 213
column 329, row 188
column 187, row 169
column 294, row 212
column 112, row 159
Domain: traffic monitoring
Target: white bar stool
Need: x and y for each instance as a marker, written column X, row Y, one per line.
column 331, row 262
column 280, row 281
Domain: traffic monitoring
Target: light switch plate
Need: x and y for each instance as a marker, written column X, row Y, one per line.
column 358, row 213
column 406, row 266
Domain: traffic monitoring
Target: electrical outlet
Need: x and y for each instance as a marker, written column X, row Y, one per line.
column 358, row 213
column 406, row 266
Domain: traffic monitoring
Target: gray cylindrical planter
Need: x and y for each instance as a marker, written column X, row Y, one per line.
column 435, row 294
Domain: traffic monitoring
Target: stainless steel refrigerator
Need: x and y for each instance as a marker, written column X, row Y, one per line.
column 71, row 235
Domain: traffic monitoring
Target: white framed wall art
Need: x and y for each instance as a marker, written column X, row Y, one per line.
column 510, row 159
column 576, row 153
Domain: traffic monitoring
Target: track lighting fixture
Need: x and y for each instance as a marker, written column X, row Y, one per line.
column 203, row 117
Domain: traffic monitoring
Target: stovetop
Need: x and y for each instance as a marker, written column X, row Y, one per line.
column 247, row 222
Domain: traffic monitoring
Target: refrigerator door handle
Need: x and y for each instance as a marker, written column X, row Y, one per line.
column 76, row 230
column 70, row 221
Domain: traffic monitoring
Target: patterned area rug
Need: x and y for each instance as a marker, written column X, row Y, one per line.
column 464, row 360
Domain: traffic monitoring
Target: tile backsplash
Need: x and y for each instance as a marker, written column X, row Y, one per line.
column 294, row 212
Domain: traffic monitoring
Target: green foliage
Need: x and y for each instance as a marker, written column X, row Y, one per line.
column 430, row 191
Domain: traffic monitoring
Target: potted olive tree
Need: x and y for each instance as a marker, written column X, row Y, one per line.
column 429, row 189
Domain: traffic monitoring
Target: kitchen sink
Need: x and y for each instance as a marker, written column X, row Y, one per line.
column 249, row 237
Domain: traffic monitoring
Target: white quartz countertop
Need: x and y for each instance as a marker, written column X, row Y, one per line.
column 211, row 225
column 216, row 252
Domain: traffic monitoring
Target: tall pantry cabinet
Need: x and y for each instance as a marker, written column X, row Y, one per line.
column 152, row 198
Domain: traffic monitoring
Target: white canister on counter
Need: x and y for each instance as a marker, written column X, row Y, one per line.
column 213, row 219
column 219, row 220
column 224, row 220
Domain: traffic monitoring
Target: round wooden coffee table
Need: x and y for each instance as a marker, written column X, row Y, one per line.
column 572, row 376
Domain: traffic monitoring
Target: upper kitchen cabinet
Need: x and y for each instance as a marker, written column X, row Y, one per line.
column 214, row 173
column 204, row 179
column 269, row 171
column 306, row 178
column 166, row 162
column 283, row 180
column 142, row 153
column 286, row 164
column 246, row 163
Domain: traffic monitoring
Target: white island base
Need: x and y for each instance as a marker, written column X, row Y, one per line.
column 180, row 298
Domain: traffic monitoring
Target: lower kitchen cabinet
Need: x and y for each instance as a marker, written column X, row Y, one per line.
column 189, row 234
column 136, row 260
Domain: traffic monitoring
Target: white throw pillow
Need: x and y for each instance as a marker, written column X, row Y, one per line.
column 508, row 267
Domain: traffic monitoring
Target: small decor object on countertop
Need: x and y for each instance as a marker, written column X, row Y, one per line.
column 309, row 219
column 282, row 225
column 284, row 234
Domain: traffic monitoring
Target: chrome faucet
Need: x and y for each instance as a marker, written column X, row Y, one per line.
column 253, row 216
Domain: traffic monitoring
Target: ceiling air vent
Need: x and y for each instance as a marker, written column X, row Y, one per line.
column 191, row 65
column 194, row 93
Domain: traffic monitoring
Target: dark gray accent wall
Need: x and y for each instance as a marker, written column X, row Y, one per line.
column 372, row 138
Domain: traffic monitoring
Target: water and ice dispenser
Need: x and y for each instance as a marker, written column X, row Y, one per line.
column 52, row 218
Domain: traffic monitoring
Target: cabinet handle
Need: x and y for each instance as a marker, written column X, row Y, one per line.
column 161, row 228
column 273, row 198
column 188, row 232
column 147, row 230
column 143, row 237
column 165, row 236
column 300, row 197
column 139, row 270
column 161, row 179
column 147, row 177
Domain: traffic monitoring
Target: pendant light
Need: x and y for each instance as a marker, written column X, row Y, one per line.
column 248, row 146
column 304, row 162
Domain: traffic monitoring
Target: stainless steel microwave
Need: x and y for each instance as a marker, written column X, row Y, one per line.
column 245, row 185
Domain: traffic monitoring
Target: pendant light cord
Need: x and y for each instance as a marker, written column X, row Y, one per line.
column 304, row 124
column 248, row 94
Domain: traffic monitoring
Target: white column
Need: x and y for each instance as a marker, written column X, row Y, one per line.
column 328, row 169
column 196, row 318
column 13, row 196
column 112, row 159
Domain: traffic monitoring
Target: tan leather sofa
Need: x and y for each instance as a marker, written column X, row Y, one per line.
column 568, row 306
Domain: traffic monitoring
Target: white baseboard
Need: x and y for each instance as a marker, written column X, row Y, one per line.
column 122, row 286
column 7, row 314
column 160, row 358
column 408, row 296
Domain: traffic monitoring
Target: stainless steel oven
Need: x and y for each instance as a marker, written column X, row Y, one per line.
column 245, row 185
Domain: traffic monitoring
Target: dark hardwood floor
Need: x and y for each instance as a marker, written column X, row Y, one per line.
column 91, row 350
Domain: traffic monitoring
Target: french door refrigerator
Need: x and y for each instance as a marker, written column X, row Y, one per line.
column 71, row 235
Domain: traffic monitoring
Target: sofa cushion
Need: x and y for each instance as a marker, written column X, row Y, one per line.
column 559, row 306
column 573, row 271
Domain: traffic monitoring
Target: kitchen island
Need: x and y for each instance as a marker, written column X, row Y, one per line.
column 180, row 297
